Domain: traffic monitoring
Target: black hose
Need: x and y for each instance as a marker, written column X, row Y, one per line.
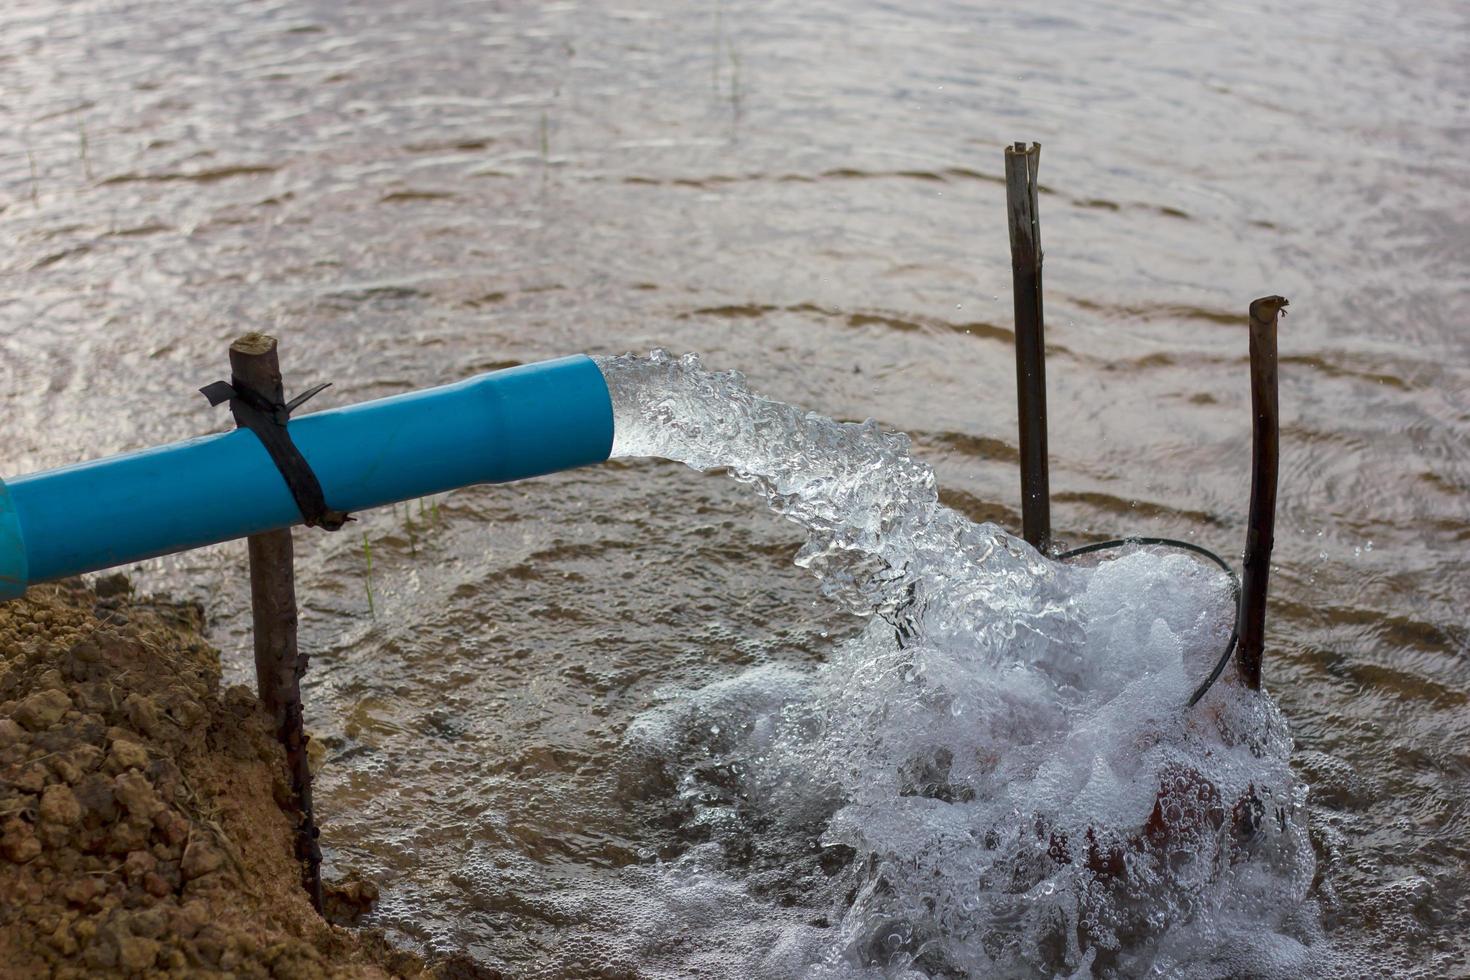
column 1199, row 692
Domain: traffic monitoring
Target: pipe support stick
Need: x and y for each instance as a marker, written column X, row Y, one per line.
column 506, row 425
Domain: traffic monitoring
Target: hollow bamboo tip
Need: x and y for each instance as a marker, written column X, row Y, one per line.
column 1267, row 308
column 258, row 343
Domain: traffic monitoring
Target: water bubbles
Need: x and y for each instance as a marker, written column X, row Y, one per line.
column 998, row 770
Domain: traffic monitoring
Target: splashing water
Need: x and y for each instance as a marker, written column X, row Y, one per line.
column 996, row 777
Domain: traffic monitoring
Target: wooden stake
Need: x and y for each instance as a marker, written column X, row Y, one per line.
column 1022, row 164
column 1265, row 451
column 279, row 665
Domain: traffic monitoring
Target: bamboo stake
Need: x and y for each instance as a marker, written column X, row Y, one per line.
column 1022, row 163
column 279, row 664
column 1265, row 452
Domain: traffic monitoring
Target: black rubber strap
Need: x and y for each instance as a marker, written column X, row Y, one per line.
column 268, row 421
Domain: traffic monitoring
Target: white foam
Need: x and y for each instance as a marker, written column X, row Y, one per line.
column 998, row 774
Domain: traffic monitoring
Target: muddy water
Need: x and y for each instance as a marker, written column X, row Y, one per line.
column 412, row 192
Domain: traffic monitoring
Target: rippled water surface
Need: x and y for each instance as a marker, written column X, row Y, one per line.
column 409, row 193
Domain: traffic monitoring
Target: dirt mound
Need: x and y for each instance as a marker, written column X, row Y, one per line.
column 141, row 831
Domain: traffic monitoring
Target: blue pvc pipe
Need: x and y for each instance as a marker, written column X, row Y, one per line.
column 506, row 425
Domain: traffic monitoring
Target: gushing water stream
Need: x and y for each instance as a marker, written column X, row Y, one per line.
column 997, row 777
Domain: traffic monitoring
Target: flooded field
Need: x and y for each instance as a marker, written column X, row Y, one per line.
column 408, row 193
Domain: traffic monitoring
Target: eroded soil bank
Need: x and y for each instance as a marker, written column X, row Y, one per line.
column 141, row 827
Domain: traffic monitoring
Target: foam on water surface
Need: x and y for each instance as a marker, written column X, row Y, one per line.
column 997, row 777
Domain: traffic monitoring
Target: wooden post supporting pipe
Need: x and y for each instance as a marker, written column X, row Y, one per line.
column 1023, row 219
column 279, row 663
column 1265, row 451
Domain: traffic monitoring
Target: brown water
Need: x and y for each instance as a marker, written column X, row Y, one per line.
column 408, row 193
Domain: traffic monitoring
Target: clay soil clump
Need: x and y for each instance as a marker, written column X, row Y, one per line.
column 141, row 823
